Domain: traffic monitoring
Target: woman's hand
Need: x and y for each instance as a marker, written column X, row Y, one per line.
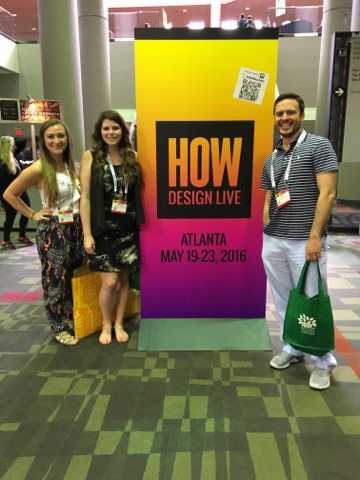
column 44, row 214
column 89, row 244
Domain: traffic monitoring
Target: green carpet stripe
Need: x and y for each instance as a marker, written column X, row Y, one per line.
column 152, row 470
column 53, row 415
column 19, row 469
column 56, row 386
column 349, row 425
column 9, row 427
column 186, row 425
column 297, row 469
column 249, row 392
column 198, row 406
column 210, row 425
column 97, row 414
column 266, row 458
column 140, row 442
column 208, row 466
column 174, row 407
column 83, row 406
column 78, row 467
column 275, row 407
column 182, row 466
column 107, row 443
column 82, row 387
column 307, row 404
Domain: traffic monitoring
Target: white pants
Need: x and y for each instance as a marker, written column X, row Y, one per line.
column 283, row 261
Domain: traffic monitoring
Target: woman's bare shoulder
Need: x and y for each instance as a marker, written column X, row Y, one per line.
column 87, row 156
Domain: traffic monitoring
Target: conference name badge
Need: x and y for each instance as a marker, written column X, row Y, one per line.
column 66, row 216
column 282, row 198
column 119, row 206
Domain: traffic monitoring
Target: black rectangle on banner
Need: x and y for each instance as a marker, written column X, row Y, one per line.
column 204, row 169
column 205, row 34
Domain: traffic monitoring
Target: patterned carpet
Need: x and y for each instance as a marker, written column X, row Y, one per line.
column 112, row 412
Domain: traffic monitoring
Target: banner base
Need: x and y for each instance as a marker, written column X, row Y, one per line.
column 204, row 334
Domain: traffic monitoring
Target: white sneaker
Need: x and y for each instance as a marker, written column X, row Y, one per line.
column 320, row 379
column 285, row 359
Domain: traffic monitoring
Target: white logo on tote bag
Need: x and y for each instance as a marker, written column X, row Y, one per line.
column 308, row 325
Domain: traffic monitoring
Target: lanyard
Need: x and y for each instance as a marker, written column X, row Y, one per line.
column 287, row 173
column 71, row 187
column 112, row 170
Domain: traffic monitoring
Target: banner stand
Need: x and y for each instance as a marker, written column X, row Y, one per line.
column 204, row 102
column 203, row 334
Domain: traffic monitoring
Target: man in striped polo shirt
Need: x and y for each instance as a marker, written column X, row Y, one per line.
column 300, row 179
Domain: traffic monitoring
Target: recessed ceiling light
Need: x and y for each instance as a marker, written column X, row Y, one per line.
column 229, row 24
column 196, row 25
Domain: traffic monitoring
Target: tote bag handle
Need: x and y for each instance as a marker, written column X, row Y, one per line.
column 300, row 288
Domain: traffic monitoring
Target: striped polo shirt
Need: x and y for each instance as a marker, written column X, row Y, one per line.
column 313, row 155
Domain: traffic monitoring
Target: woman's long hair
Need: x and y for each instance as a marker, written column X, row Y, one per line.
column 6, row 153
column 48, row 163
column 131, row 167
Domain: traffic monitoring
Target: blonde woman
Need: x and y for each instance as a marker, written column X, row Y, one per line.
column 10, row 168
column 111, row 212
column 59, row 236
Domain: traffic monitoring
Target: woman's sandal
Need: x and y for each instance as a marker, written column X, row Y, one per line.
column 105, row 336
column 121, row 335
column 65, row 338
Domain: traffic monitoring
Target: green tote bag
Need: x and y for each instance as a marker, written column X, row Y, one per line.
column 309, row 324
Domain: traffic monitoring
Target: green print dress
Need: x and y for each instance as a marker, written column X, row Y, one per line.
column 118, row 248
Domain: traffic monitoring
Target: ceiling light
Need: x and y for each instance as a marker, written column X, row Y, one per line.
column 229, row 24
column 196, row 25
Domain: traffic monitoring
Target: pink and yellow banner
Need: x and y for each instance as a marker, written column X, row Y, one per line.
column 205, row 126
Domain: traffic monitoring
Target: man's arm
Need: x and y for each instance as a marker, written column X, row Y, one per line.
column 266, row 216
column 326, row 183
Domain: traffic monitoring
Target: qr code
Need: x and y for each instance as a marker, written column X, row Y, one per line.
column 250, row 90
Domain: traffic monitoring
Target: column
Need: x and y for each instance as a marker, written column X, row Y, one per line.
column 60, row 56
column 336, row 18
column 95, row 61
column 215, row 13
column 355, row 18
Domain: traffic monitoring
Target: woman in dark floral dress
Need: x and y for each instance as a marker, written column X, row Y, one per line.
column 59, row 236
column 111, row 212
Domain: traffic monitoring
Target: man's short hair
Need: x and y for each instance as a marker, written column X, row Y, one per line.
column 294, row 96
